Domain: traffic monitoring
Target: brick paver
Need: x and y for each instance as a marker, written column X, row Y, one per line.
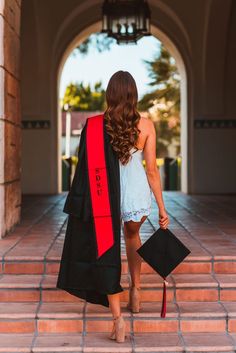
column 201, row 295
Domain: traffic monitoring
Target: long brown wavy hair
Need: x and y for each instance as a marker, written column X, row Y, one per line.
column 121, row 116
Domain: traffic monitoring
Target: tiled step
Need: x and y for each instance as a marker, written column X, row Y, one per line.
column 181, row 287
column 40, row 253
column 87, row 317
column 193, row 264
column 134, row 343
column 52, row 267
column 201, row 295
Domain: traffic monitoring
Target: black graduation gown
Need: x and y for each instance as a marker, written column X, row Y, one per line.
column 80, row 272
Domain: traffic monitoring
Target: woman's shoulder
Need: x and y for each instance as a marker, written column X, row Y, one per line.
column 146, row 123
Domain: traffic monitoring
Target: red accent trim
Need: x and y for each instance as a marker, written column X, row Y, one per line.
column 163, row 308
column 99, row 184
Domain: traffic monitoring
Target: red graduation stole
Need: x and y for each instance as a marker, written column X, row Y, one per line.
column 99, row 184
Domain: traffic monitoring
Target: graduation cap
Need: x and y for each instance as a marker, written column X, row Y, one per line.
column 163, row 251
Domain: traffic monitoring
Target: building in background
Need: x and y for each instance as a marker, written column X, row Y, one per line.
column 36, row 39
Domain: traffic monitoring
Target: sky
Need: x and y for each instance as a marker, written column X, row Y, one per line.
column 97, row 66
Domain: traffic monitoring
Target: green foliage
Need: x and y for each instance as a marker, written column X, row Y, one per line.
column 82, row 97
column 98, row 41
column 164, row 100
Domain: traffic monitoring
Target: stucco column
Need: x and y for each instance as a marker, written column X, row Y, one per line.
column 10, row 120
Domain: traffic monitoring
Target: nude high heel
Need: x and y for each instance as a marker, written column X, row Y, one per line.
column 134, row 299
column 118, row 331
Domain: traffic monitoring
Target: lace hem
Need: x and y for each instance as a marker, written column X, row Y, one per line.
column 136, row 215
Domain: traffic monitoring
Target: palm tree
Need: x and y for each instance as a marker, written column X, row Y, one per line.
column 163, row 102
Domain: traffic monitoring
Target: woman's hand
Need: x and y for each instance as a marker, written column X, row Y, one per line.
column 163, row 219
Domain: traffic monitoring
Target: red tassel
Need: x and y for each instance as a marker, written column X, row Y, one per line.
column 163, row 309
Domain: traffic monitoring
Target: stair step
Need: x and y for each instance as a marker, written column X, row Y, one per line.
column 182, row 287
column 194, row 264
column 78, row 317
column 135, row 342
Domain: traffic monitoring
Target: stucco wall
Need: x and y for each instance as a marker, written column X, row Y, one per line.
column 202, row 30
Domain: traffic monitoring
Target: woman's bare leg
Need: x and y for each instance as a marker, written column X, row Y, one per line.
column 114, row 304
column 133, row 242
column 114, row 301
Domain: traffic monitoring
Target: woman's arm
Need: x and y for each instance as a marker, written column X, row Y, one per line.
column 153, row 174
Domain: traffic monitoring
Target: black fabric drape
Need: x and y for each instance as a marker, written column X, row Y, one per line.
column 80, row 272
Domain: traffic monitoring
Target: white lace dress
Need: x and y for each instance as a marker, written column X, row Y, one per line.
column 135, row 189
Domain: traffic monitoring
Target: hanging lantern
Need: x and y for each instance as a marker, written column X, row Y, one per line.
column 126, row 20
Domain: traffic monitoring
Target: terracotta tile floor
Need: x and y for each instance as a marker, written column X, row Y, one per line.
column 206, row 223
column 201, row 311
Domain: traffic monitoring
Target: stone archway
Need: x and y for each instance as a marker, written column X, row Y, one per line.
column 29, row 78
column 171, row 47
column 44, row 46
column 52, row 41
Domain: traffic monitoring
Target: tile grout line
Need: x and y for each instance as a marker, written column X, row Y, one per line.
column 190, row 234
column 226, row 316
column 202, row 205
column 84, row 333
column 38, row 219
column 53, row 242
column 204, row 220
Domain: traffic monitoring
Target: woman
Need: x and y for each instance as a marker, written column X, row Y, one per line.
column 132, row 135
column 126, row 136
